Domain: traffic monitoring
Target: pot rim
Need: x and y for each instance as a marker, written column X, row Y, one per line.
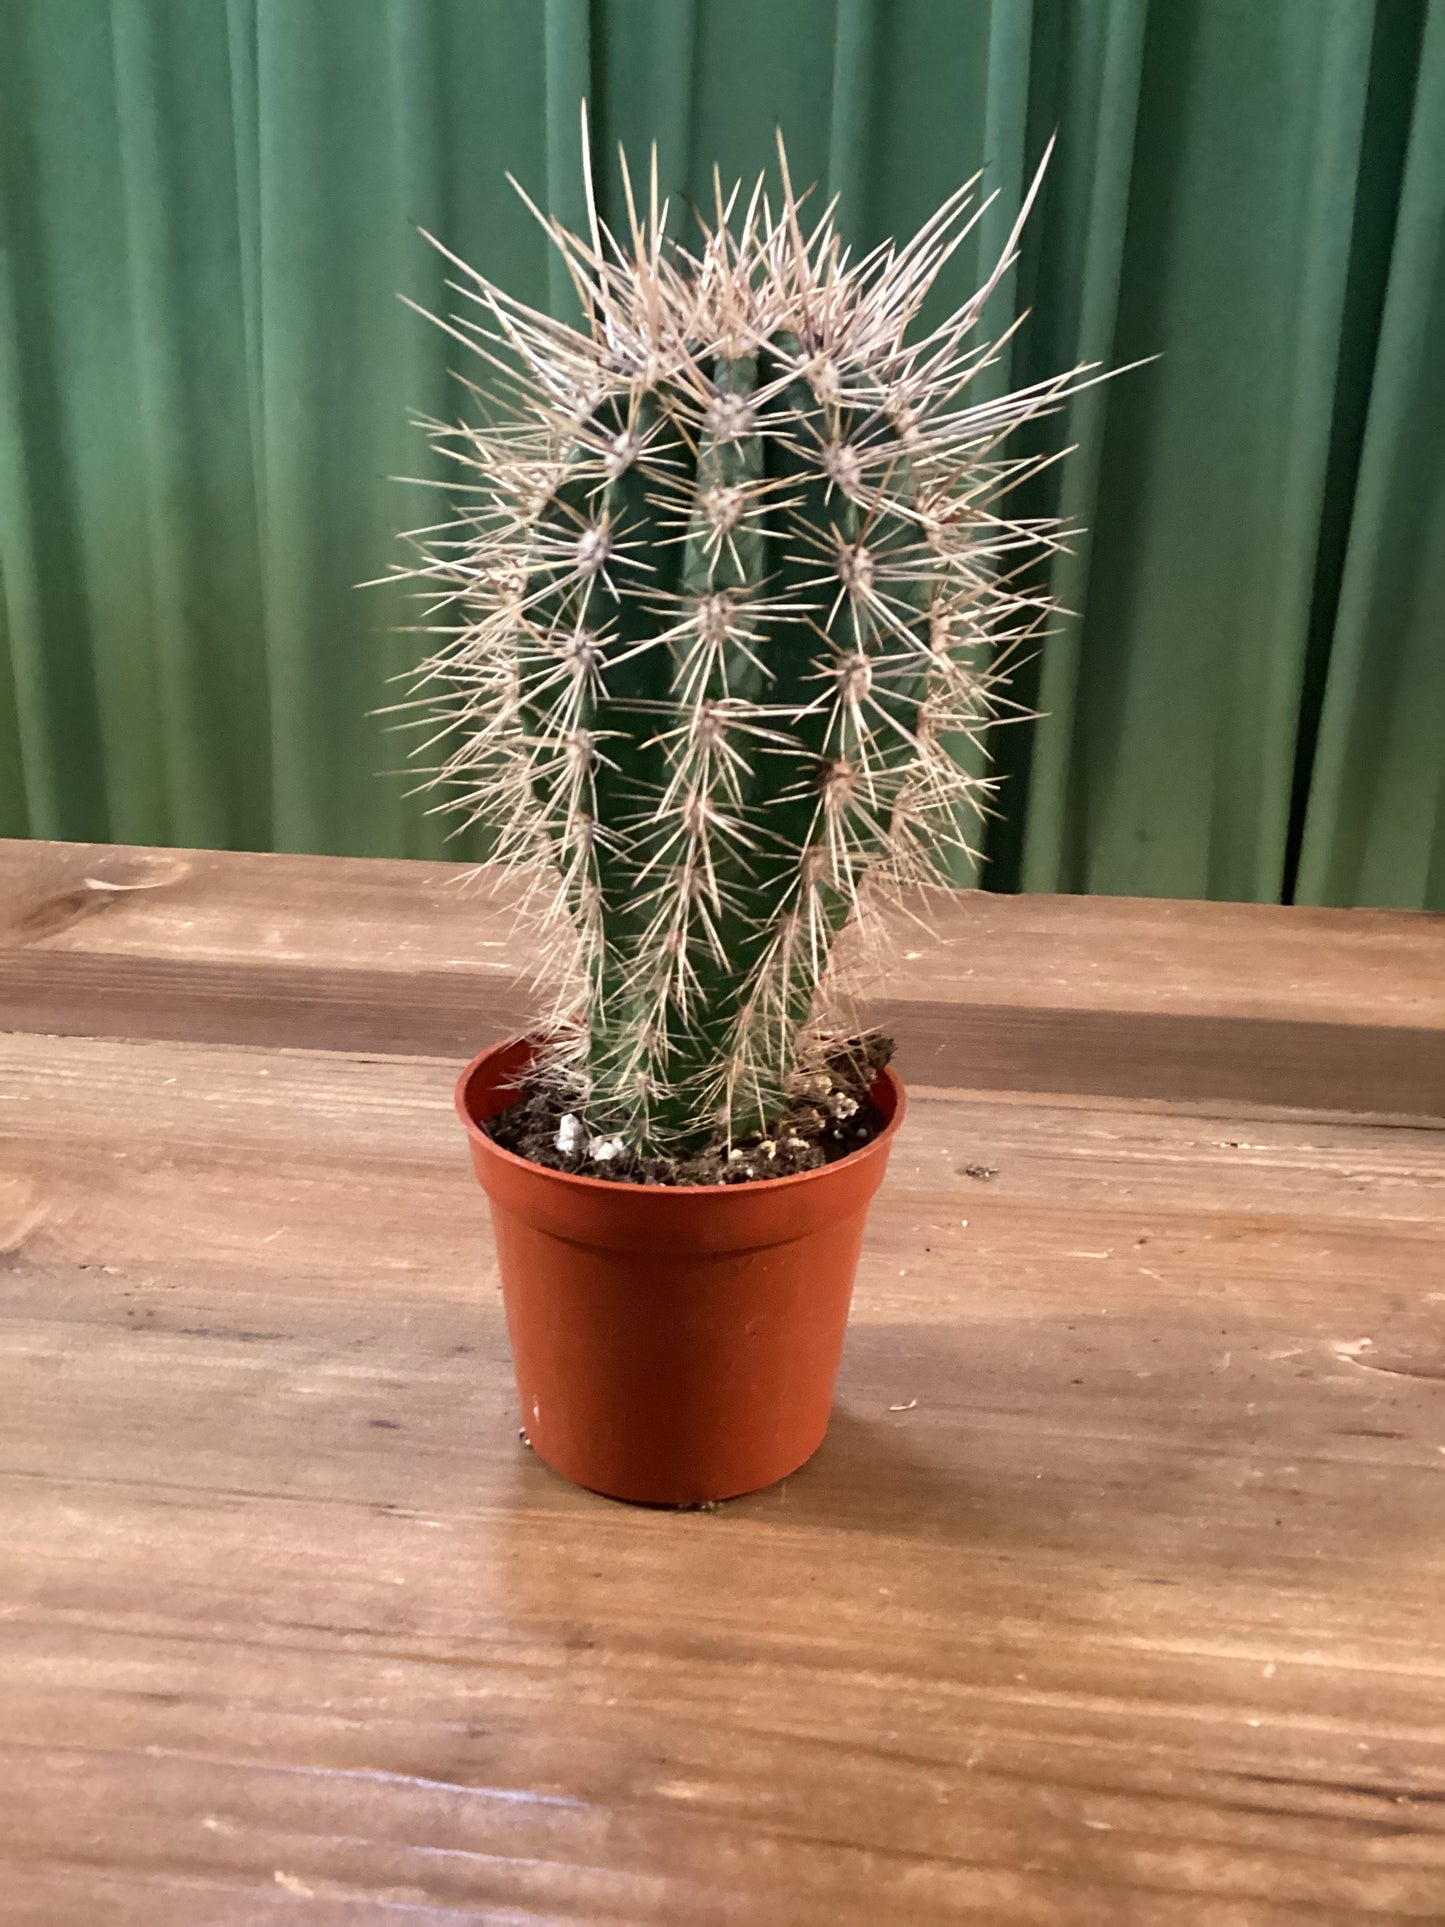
column 610, row 1185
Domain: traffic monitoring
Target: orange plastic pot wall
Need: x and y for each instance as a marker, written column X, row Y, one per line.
column 672, row 1344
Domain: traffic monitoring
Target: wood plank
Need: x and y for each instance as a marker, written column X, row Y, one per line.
column 1111, row 1601
column 1242, row 1003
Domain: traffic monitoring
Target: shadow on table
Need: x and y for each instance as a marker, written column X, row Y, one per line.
column 1187, row 1441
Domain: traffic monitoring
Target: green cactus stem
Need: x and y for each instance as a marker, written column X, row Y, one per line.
column 730, row 583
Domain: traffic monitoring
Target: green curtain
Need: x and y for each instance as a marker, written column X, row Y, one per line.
column 209, row 205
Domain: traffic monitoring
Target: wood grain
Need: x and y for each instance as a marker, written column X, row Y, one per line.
column 1112, row 1600
column 1245, row 1003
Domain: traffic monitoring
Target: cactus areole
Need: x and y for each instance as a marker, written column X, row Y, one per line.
column 728, row 593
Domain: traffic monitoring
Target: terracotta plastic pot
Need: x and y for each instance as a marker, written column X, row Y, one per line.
column 673, row 1344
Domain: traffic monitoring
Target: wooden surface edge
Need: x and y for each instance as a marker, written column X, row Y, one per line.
column 1149, row 999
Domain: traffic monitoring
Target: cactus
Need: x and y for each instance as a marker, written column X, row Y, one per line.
column 729, row 592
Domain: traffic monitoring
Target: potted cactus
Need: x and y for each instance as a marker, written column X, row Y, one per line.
column 730, row 589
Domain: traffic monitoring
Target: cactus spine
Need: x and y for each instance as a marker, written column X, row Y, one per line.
column 730, row 585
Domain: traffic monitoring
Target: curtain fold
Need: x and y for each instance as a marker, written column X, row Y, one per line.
column 1171, row 752
column 1375, row 828
column 205, row 385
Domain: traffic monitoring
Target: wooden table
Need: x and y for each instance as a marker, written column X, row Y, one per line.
column 1116, row 1597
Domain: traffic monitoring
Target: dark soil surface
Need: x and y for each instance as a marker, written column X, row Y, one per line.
column 829, row 1114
